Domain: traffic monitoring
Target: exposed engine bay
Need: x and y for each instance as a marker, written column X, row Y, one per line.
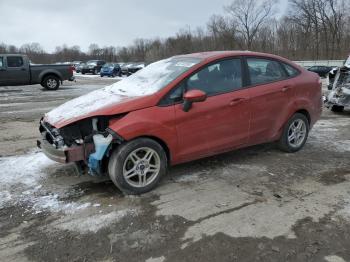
column 86, row 142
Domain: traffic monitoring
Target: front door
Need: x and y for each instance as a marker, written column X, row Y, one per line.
column 17, row 71
column 222, row 121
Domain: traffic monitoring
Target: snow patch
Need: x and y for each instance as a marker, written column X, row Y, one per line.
column 334, row 259
column 327, row 134
column 21, row 183
column 92, row 224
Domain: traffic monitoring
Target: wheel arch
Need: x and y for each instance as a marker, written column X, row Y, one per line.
column 160, row 141
column 305, row 113
column 50, row 74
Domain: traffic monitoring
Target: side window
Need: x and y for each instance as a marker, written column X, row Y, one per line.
column 1, row 62
column 221, row 77
column 14, row 61
column 291, row 70
column 264, row 71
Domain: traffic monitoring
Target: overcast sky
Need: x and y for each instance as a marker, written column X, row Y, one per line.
column 104, row 22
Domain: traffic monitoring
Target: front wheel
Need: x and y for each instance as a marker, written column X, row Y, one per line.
column 295, row 133
column 137, row 166
column 51, row 83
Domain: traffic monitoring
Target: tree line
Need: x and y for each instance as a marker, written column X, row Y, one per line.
column 309, row 29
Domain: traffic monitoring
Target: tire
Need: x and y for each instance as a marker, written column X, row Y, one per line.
column 286, row 142
column 337, row 109
column 51, row 82
column 83, row 73
column 123, row 160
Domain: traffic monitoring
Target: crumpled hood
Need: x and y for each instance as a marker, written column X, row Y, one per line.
column 102, row 102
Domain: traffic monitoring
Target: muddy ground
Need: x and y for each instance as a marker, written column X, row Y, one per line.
column 254, row 204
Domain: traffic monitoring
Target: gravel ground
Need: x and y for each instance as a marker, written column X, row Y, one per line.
column 254, row 204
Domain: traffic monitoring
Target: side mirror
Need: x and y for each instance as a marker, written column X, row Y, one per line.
column 193, row 96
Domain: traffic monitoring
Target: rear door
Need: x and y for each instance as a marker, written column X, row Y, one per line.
column 17, row 70
column 222, row 121
column 271, row 91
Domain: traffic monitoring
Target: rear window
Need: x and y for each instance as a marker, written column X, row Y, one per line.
column 14, row 61
column 265, row 71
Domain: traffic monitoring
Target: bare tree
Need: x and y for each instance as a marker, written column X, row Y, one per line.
column 249, row 16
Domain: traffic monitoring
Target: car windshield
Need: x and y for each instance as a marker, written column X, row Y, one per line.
column 153, row 77
column 92, row 63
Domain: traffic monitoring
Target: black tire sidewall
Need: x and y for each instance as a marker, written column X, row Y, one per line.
column 118, row 157
column 283, row 143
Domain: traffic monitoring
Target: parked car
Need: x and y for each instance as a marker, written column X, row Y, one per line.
column 80, row 67
column 76, row 64
column 181, row 109
column 111, row 70
column 133, row 68
column 322, row 71
column 125, row 68
column 93, row 66
column 16, row 69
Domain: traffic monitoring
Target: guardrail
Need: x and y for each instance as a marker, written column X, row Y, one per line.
column 320, row 62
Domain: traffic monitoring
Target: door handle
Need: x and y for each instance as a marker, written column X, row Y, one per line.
column 286, row 88
column 23, row 69
column 237, row 101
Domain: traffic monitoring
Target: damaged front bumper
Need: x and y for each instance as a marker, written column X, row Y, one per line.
column 54, row 147
column 65, row 154
column 70, row 146
column 339, row 97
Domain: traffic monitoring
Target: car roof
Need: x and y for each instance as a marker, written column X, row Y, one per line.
column 215, row 55
column 221, row 54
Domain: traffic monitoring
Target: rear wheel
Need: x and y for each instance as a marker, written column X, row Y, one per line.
column 337, row 108
column 295, row 133
column 137, row 166
column 51, row 83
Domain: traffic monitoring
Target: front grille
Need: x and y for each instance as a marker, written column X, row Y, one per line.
column 51, row 134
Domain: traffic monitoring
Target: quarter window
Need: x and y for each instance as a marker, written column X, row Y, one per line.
column 14, row 61
column 264, row 71
column 221, row 77
column 291, row 70
column 1, row 62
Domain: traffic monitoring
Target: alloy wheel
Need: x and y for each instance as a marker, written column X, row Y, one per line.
column 141, row 167
column 297, row 133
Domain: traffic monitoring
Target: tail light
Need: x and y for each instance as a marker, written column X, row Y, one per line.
column 71, row 69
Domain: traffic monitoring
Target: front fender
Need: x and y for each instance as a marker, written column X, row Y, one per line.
column 157, row 122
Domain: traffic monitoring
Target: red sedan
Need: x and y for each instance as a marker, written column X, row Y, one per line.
column 180, row 109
